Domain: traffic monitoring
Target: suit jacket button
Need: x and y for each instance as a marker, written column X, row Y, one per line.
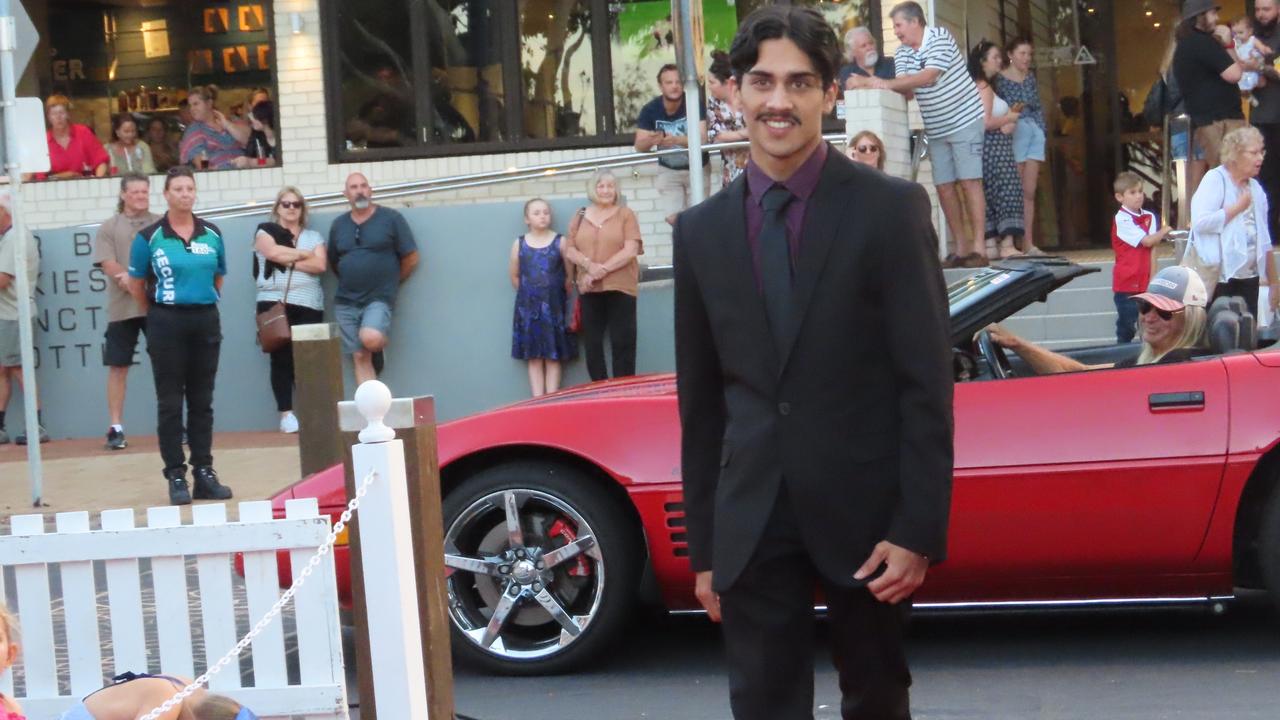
column 784, row 408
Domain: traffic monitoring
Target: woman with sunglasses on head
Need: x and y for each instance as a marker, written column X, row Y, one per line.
column 176, row 268
column 866, row 148
column 1171, row 318
column 288, row 260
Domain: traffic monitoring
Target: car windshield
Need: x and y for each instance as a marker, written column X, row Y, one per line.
column 975, row 288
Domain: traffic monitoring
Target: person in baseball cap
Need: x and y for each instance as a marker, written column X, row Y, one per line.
column 1171, row 319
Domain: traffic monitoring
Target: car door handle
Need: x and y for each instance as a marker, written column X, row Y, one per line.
column 1190, row 399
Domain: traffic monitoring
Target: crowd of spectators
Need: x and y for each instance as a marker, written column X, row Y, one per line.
column 201, row 137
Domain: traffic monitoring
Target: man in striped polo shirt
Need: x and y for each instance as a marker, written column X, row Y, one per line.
column 931, row 68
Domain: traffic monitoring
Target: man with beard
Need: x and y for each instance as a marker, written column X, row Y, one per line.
column 809, row 456
column 864, row 58
column 372, row 251
column 1207, row 76
column 663, row 124
column 1266, row 116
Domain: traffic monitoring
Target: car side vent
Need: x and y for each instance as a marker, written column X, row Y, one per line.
column 675, row 520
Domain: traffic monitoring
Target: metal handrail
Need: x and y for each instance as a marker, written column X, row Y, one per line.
column 481, row 179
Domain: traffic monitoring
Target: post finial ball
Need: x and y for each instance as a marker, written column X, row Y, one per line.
column 373, row 399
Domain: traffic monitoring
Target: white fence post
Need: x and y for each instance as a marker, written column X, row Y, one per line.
column 386, row 543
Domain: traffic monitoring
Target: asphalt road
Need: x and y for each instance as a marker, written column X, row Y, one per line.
column 1113, row 665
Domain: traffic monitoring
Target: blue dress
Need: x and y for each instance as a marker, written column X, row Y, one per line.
column 538, row 328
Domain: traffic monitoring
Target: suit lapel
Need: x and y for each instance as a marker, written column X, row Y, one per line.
column 822, row 220
column 741, row 274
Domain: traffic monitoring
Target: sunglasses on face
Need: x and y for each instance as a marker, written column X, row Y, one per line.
column 291, row 204
column 1146, row 307
column 867, row 149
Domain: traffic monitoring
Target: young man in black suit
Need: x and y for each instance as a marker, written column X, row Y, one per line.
column 815, row 386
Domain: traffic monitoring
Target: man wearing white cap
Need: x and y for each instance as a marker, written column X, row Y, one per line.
column 1171, row 317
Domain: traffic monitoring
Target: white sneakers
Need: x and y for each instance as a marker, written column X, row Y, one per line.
column 289, row 423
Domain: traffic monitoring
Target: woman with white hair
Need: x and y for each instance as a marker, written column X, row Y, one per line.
column 604, row 240
column 1229, row 229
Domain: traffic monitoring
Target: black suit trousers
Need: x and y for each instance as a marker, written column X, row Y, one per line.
column 768, row 623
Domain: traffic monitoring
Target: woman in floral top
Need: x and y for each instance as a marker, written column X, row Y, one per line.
column 724, row 124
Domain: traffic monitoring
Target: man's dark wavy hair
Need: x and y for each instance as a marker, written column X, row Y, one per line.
column 803, row 26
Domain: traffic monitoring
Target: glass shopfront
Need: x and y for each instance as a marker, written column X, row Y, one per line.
column 138, row 58
column 454, row 77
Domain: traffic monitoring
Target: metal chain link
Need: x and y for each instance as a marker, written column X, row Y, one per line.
column 233, row 653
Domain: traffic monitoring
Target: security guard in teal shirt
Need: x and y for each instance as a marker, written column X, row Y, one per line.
column 176, row 267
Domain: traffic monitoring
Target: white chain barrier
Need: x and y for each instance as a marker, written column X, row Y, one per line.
column 361, row 490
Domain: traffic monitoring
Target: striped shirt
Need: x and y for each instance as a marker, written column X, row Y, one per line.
column 951, row 103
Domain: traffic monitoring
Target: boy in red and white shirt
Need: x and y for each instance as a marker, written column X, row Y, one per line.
column 1134, row 231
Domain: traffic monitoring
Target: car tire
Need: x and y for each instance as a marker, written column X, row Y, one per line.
column 1269, row 547
column 557, row 506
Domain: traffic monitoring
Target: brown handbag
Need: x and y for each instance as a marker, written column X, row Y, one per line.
column 274, row 332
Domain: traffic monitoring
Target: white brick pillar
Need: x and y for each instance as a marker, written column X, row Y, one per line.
column 884, row 113
column 888, row 115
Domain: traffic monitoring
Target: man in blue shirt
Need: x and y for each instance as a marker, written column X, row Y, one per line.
column 663, row 124
column 372, row 251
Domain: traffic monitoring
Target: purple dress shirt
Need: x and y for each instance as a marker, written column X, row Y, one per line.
column 802, row 183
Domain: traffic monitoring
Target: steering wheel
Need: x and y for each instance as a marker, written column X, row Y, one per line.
column 994, row 355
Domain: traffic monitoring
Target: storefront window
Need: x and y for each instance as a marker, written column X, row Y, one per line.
column 556, row 69
column 642, row 40
column 116, row 59
column 375, row 67
column 466, row 98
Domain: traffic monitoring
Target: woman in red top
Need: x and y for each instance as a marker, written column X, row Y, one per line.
column 74, row 151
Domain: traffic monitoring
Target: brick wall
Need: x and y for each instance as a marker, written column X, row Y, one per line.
column 305, row 143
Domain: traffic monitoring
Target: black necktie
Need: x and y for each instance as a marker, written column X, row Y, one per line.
column 775, row 264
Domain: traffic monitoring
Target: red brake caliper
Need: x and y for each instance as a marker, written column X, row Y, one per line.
column 561, row 529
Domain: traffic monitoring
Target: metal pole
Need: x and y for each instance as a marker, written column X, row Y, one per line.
column 8, row 42
column 692, row 96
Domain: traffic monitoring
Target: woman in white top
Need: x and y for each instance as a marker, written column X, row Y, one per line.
column 289, row 256
column 1229, row 221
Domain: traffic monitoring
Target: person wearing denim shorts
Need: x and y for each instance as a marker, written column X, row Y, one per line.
column 372, row 251
column 1017, row 86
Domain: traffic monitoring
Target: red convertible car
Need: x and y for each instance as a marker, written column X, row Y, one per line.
column 1151, row 483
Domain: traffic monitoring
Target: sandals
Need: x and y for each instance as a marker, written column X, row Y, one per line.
column 1034, row 251
column 972, row 260
column 1008, row 250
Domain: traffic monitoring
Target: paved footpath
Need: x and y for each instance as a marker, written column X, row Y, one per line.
column 81, row 475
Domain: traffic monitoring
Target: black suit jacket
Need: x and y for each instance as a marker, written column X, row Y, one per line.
column 856, row 418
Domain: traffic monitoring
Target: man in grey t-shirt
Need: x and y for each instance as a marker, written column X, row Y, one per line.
column 125, row 318
column 372, row 251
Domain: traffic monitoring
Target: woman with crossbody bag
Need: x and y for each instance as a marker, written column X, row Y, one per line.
column 288, row 260
column 1230, row 240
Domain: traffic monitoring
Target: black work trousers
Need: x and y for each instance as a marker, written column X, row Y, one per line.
column 282, row 359
column 768, row 622
column 183, row 342
column 615, row 312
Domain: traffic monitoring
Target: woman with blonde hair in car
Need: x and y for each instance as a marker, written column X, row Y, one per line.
column 1171, row 316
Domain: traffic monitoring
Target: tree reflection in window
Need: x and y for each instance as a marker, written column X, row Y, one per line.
column 556, row 68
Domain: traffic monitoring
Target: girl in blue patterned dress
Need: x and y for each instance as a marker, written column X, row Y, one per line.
column 541, row 276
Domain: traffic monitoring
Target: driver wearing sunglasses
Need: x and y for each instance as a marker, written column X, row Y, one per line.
column 1171, row 319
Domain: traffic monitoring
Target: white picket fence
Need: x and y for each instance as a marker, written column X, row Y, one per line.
column 72, row 552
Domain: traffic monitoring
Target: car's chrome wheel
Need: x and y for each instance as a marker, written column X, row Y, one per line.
column 534, row 566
